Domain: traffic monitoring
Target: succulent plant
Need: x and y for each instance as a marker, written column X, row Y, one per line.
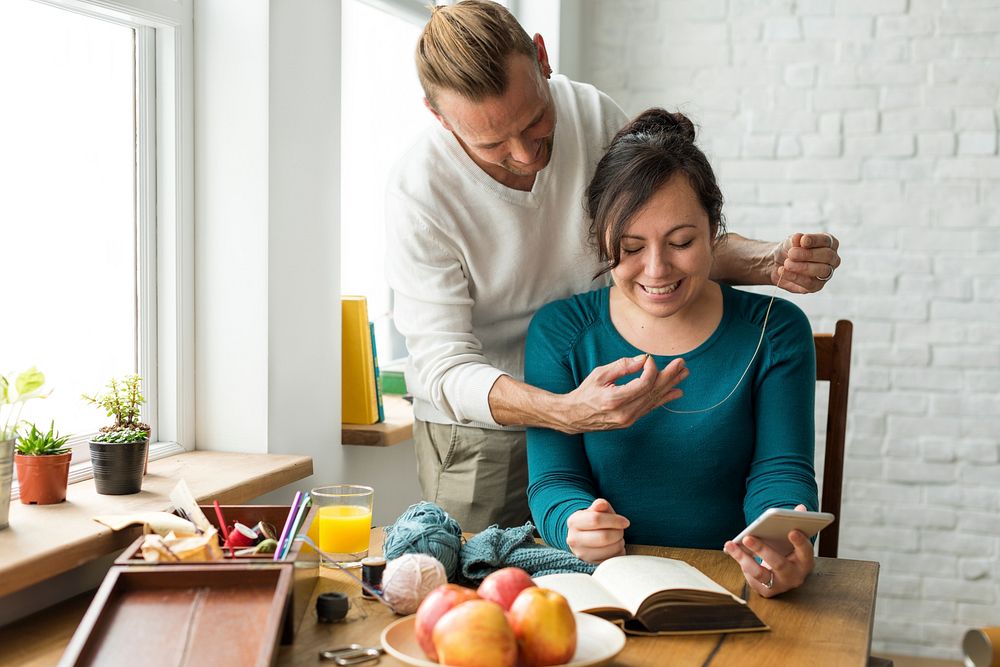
column 36, row 443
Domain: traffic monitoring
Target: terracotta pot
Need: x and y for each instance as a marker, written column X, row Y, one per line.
column 42, row 479
column 118, row 467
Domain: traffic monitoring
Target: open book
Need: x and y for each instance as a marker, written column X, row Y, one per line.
column 652, row 595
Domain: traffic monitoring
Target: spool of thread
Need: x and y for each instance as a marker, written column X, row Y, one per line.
column 409, row 578
column 982, row 647
column 425, row 528
column 372, row 569
column 331, row 607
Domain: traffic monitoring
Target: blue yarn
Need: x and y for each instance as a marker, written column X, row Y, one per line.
column 497, row 547
column 425, row 528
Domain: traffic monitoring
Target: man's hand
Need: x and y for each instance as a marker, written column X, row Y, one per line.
column 596, row 533
column 775, row 573
column 598, row 404
column 803, row 263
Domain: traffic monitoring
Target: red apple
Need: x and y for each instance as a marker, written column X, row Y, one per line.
column 475, row 634
column 439, row 601
column 503, row 586
column 544, row 626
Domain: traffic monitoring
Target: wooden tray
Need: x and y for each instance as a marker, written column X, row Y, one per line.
column 183, row 616
column 248, row 515
column 305, row 567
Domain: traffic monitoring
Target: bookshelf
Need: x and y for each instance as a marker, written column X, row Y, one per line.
column 397, row 427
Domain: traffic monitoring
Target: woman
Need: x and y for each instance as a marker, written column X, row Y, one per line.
column 695, row 472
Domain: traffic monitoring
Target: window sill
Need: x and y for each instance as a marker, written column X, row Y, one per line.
column 45, row 540
column 82, row 471
column 396, row 428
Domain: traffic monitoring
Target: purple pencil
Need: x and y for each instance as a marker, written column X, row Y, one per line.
column 288, row 523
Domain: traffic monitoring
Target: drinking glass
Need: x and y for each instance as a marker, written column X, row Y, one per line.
column 345, row 521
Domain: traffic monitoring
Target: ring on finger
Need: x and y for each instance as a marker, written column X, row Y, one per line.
column 770, row 581
column 828, row 276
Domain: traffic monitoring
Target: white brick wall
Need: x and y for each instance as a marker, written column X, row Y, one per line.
column 875, row 120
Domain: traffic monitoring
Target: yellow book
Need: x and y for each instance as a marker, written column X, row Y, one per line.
column 358, row 395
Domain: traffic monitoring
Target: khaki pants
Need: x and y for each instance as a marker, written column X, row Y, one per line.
column 479, row 476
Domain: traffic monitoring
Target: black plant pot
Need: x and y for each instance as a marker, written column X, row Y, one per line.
column 118, row 467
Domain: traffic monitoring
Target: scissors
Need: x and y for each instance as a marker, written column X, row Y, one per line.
column 355, row 654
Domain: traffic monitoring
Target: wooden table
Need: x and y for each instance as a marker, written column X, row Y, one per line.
column 826, row 622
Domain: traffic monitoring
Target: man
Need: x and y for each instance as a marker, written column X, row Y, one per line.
column 485, row 225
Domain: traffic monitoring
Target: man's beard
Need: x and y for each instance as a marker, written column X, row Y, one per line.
column 546, row 149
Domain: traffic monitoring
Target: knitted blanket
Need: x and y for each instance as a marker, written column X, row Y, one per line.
column 496, row 548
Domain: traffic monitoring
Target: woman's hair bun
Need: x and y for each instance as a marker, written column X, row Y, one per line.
column 660, row 121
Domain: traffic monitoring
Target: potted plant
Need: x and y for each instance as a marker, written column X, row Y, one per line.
column 42, row 461
column 119, row 452
column 27, row 385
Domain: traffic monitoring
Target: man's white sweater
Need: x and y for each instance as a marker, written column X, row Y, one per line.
column 471, row 260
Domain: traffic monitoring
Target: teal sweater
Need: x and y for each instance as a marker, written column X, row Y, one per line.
column 691, row 480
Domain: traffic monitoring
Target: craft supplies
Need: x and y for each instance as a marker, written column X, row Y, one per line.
column 161, row 523
column 374, row 593
column 183, row 547
column 409, row 578
column 222, row 520
column 187, row 506
column 425, row 528
column 355, row 654
column 331, row 607
column 241, row 537
column 296, row 526
column 372, row 569
column 288, row 524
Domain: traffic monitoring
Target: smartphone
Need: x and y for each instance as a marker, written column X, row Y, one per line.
column 772, row 527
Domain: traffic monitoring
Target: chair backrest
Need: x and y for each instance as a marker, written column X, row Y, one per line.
column 833, row 365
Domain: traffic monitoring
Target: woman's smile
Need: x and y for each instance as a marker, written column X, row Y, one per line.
column 663, row 290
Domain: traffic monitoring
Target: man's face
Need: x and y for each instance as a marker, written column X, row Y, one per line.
column 511, row 133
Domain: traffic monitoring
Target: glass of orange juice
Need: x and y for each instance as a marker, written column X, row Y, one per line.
column 345, row 521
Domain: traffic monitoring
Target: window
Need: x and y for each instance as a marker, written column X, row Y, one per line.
column 79, row 209
column 382, row 114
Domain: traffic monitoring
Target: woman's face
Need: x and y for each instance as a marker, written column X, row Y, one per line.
column 666, row 251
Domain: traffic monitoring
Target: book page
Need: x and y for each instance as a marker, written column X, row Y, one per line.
column 632, row 579
column 580, row 590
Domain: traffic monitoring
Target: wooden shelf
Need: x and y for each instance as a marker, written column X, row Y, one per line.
column 45, row 540
column 397, row 427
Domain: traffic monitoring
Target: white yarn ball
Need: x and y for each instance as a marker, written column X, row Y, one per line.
column 408, row 579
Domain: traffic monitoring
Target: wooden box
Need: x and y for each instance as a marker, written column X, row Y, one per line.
column 304, row 566
column 248, row 515
column 183, row 616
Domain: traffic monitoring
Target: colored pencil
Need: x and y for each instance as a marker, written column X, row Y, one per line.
column 297, row 524
column 288, row 523
column 222, row 520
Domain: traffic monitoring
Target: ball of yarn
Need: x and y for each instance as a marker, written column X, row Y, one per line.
column 409, row 578
column 425, row 528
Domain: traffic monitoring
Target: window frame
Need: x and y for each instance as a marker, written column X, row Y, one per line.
column 164, row 213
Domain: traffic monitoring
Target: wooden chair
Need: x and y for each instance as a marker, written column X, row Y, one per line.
column 833, row 365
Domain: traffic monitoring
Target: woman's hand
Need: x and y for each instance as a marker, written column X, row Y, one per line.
column 596, row 533
column 775, row 573
column 599, row 404
column 803, row 263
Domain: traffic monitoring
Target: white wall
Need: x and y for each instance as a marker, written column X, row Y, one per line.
column 267, row 247
column 875, row 120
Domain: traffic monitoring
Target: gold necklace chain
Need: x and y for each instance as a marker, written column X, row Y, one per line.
column 763, row 330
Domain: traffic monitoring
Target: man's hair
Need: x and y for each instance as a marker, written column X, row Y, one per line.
column 464, row 48
column 642, row 157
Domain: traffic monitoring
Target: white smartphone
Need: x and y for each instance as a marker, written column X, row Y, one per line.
column 772, row 527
